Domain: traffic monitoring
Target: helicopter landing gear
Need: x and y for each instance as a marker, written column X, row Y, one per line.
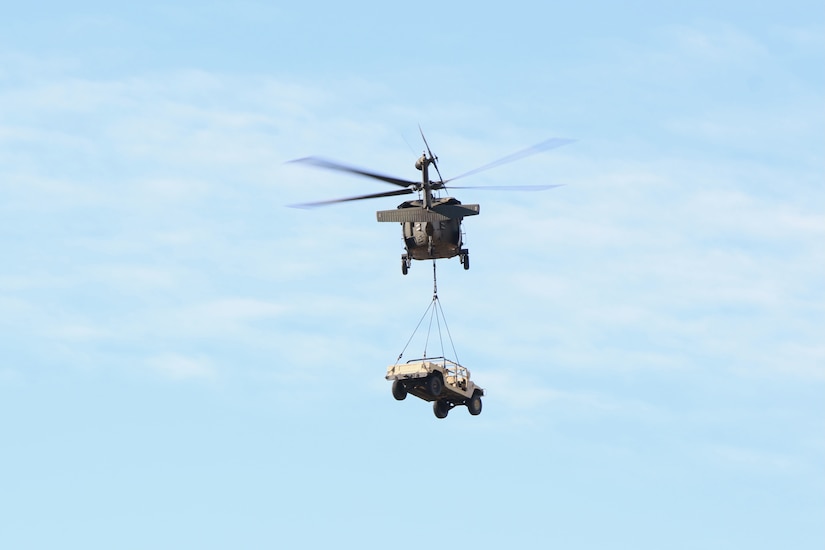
column 464, row 256
column 405, row 264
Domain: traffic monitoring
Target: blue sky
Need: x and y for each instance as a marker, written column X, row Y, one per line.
column 188, row 363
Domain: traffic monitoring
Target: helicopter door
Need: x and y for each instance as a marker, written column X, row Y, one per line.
column 420, row 233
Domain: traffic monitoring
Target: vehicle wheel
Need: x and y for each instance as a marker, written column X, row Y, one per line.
column 435, row 385
column 404, row 266
column 474, row 404
column 466, row 261
column 440, row 409
column 398, row 390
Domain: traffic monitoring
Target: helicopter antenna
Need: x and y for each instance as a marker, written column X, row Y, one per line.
column 410, row 147
column 433, row 157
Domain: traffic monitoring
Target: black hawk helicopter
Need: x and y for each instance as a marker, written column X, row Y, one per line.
column 431, row 224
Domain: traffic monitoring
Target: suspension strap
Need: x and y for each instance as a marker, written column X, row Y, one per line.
column 400, row 355
column 437, row 314
column 435, row 284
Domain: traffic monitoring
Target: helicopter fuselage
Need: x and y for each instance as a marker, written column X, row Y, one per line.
column 431, row 240
column 428, row 240
column 432, row 233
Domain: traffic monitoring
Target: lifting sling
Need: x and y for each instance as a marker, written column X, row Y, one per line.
column 436, row 314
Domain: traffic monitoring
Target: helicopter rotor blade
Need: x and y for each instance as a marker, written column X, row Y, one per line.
column 507, row 187
column 337, row 166
column 358, row 198
column 551, row 143
column 435, row 159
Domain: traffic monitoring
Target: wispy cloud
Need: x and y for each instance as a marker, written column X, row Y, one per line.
column 523, row 392
column 714, row 43
column 648, row 248
column 755, row 460
column 181, row 367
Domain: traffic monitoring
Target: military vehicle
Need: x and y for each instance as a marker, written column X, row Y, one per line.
column 446, row 383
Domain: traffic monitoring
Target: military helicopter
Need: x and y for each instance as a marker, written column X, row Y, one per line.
column 431, row 224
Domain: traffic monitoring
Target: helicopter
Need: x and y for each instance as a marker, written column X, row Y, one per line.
column 431, row 224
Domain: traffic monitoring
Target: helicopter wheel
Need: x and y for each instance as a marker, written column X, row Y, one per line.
column 404, row 264
column 465, row 258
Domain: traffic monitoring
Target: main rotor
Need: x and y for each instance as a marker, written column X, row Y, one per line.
column 426, row 186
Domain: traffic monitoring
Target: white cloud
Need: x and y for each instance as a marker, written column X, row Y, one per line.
column 236, row 310
column 181, row 367
column 677, row 276
column 717, row 43
column 522, row 391
column 750, row 459
column 646, row 245
column 9, row 376
column 74, row 332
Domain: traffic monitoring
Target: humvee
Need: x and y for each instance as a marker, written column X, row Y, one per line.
column 446, row 383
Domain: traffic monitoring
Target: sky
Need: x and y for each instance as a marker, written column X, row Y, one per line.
column 187, row 362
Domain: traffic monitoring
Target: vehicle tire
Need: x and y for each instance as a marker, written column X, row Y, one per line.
column 435, row 385
column 440, row 409
column 403, row 266
column 399, row 391
column 466, row 262
column 474, row 404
